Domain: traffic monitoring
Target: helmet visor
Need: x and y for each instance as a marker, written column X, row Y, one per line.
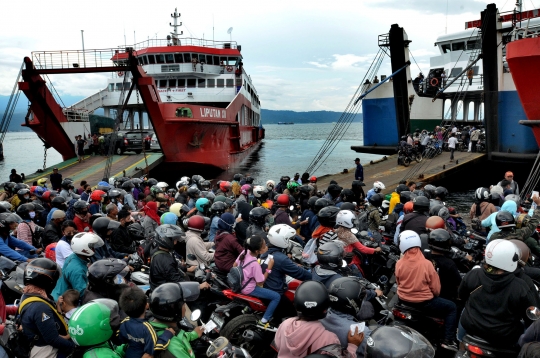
column 190, row 291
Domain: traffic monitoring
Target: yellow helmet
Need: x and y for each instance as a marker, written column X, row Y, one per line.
column 42, row 181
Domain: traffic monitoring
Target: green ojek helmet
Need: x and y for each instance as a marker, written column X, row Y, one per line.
column 90, row 324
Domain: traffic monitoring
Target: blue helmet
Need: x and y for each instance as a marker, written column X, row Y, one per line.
column 202, row 205
column 169, row 218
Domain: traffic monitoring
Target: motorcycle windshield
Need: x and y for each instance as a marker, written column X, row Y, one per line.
column 421, row 348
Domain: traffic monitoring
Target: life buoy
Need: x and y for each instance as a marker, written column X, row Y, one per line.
column 434, row 82
column 120, row 73
column 229, row 68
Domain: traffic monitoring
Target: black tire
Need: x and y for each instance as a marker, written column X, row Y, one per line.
column 418, row 158
column 138, row 151
column 119, row 151
column 406, row 161
column 234, row 329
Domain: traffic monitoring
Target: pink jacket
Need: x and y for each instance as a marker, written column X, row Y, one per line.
column 296, row 338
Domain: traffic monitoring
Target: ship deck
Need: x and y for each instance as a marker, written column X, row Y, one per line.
column 388, row 172
column 92, row 168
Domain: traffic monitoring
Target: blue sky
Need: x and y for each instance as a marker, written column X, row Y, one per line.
column 301, row 55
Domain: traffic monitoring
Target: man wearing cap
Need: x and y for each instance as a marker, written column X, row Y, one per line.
column 359, row 173
column 513, row 185
column 56, row 179
column 53, row 231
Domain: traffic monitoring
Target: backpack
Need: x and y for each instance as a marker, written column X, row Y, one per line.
column 235, row 277
column 391, row 223
column 363, row 220
column 37, row 235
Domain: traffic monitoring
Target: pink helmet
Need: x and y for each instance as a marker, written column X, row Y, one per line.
column 244, row 190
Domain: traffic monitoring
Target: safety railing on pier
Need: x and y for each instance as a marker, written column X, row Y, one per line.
column 75, row 59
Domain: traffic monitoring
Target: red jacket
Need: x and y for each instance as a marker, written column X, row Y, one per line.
column 416, row 277
column 227, row 250
column 81, row 225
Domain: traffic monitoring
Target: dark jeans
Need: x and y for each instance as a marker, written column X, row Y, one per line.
column 440, row 307
column 452, row 153
column 473, row 145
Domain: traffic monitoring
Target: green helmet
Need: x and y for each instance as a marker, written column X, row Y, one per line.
column 90, row 324
column 293, row 186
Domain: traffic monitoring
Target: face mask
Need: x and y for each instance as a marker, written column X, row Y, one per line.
column 26, row 197
column 32, row 214
column 89, row 191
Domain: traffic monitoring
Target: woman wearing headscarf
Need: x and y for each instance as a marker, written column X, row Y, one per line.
column 227, row 246
column 151, row 218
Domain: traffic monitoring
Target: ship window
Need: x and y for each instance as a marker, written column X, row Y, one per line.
column 455, row 71
column 476, row 69
column 170, row 68
column 172, row 83
column 143, row 60
column 233, row 60
column 224, row 60
column 201, row 83
column 191, row 82
column 160, row 59
column 202, row 58
column 210, row 83
column 151, row 59
column 169, row 58
column 184, row 112
column 111, row 87
column 458, row 46
column 181, row 82
column 119, row 86
column 162, row 83
column 220, row 82
column 238, row 82
column 187, row 58
column 178, row 58
column 445, row 48
column 216, row 60
column 474, row 44
column 230, row 82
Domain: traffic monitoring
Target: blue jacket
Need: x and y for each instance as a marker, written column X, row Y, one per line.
column 94, row 208
column 305, row 230
column 141, row 337
column 359, row 172
column 74, row 275
column 7, row 248
column 313, row 223
column 282, row 266
column 509, row 206
column 213, row 228
column 340, row 324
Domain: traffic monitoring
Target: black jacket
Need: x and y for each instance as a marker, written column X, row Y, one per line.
column 164, row 268
column 256, row 230
column 121, row 241
column 105, row 252
column 52, row 233
column 494, row 306
column 416, row 222
column 448, row 275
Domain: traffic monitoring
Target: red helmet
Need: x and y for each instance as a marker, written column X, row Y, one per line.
column 435, row 222
column 33, row 189
column 283, row 200
column 46, row 196
column 224, row 186
column 196, row 222
column 313, row 179
column 408, row 207
column 97, row 195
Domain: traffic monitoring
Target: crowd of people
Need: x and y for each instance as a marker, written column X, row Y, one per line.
column 78, row 243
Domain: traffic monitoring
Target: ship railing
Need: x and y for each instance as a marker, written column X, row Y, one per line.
column 75, row 59
column 76, row 114
column 188, row 41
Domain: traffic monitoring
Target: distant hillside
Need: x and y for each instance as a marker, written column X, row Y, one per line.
column 271, row 117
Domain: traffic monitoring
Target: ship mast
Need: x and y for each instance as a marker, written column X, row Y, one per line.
column 175, row 25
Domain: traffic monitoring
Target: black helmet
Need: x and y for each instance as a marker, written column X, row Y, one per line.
column 197, row 179
column 151, row 182
column 102, row 225
column 348, row 206
column 20, row 186
column 205, row 185
column 9, row 186
column 42, row 273
column 429, row 190
column 482, row 194
column 505, row 219
column 401, row 187
column 167, row 299
column 311, row 202
column 397, row 342
column 421, row 204
column 334, row 190
column 128, row 185
column 347, row 195
column 249, row 179
column 59, row 203
column 406, row 196
column 104, row 188
column 114, row 193
column 24, row 210
column 327, row 216
column 80, row 207
column 330, row 255
column 356, row 184
column 322, row 203
column 305, row 190
column 376, row 200
column 441, row 192
column 104, row 271
column 193, row 192
column 311, row 300
column 439, row 239
column 258, row 215
column 346, row 295
column 67, row 183
column 166, row 234
column 136, row 232
column 21, row 194
column 237, row 177
column 218, row 208
column 5, row 206
column 284, row 180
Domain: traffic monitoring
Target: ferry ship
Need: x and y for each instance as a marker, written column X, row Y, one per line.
column 199, row 100
column 490, row 99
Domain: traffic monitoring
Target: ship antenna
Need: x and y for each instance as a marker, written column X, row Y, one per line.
column 175, row 25
column 446, row 26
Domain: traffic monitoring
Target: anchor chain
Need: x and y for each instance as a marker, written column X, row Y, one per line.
column 44, row 157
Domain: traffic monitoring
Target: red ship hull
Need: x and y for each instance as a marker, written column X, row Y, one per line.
column 523, row 57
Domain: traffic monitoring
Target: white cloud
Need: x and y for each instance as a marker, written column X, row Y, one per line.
column 317, row 64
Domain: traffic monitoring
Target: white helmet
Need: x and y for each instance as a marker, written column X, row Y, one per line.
column 84, row 243
column 385, row 204
column 270, row 185
column 408, row 239
column 112, row 181
column 346, row 219
column 280, row 235
column 258, row 190
column 181, row 183
column 186, row 179
column 162, row 185
column 378, row 185
column 502, row 254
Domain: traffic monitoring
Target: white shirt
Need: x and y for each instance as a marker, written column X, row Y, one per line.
column 63, row 250
column 454, row 130
column 452, row 141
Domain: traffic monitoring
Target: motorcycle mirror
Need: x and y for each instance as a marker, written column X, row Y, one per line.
column 195, row 315
column 343, row 263
column 201, row 266
column 192, row 257
column 354, row 230
column 468, row 233
column 533, row 313
column 454, row 249
column 291, row 207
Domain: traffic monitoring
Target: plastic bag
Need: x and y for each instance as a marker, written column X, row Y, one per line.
column 308, row 255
